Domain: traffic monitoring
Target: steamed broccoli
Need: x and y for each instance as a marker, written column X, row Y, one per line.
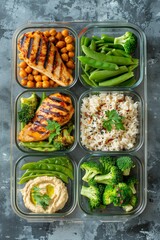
column 128, row 41
column 107, row 163
column 28, row 108
column 111, row 178
column 92, row 169
column 122, row 195
column 107, row 195
column 125, row 164
column 133, row 202
column 93, row 193
column 131, row 182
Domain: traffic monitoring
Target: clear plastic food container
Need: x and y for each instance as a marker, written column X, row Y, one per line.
column 18, row 203
column 39, row 93
column 110, row 211
column 76, row 210
column 116, row 29
column 135, row 97
column 43, row 27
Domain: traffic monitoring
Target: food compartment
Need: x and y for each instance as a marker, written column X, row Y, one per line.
column 110, row 121
column 34, row 167
column 49, row 127
column 110, row 212
column 44, row 53
column 98, row 39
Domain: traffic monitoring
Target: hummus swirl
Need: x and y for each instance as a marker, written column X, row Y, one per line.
column 58, row 198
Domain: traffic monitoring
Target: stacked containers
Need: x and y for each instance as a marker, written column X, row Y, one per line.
column 138, row 153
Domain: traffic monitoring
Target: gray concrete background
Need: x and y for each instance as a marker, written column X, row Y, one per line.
column 144, row 13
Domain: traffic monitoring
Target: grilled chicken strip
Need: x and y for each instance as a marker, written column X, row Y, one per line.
column 56, row 107
column 41, row 54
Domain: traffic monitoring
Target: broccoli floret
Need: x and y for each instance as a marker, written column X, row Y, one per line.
column 107, row 195
column 107, row 163
column 93, row 194
column 125, row 164
column 28, row 108
column 128, row 41
column 92, row 169
column 131, row 182
column 111, row 178
column 121, row 195
column 133, row 202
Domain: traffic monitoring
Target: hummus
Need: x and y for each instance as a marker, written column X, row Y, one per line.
column 53, row 187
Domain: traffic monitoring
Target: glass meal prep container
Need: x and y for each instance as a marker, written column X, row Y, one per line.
column 115, row 30
column 76, row 210
column 19, row 206
column 39, row 93
column 90, row 93
column 45, row 28
column 111, row 211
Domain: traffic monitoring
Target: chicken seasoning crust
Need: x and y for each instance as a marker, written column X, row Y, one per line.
column 42, row 55
column 56, row 107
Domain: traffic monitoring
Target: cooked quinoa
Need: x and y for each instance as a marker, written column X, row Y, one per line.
column 94, row 137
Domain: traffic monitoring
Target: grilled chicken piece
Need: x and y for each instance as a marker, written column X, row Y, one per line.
column 56, row 107
column 41, row 54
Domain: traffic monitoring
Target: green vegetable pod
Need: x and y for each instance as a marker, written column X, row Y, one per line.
column 117, row 80
column 99, row 76
column 60, row 160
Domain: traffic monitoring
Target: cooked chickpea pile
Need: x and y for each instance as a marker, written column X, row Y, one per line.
column 65, row 45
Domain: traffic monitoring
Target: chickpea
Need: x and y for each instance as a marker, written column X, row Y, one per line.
column 45, row 78
column 47, row 33
column 45, row 84
column 22, row 73
column 71, row 54
column 28, row 69
column 23, row 64
column 24, row 82
column 69, row 47
column 52, row 39
column 38, row 78
column 30, row 77
column 63, row 50
column 68, row 39
column 30, row 84
column 59, row 36
column 51, row 83
column 60, row 44
column 38, row 84
column 53, row 32
column 65, row 32
column 70, row 64
column 35, row 72
column 64, row 57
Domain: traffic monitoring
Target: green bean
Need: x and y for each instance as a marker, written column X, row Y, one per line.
column 48, row 167
column 97, row 64
column 121, row 53
column 102, row 75
column 107, row 58
column 96, row 38
column 62, row 176
column 132, row 67
column 130, row 82
column 88, row 81
column 117, row 80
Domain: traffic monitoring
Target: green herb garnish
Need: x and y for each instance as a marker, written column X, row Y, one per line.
column 113, row 119
column 54, row 128
column 40, row 199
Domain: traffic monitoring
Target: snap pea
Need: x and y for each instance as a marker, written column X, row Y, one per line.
column 48, row 167
column 96, row 38
column 102, row 75
column 60, row 160
column 108, row 58
column 87, row 41
column 88, row 81
column 117, row 80
column 82, row 40
column 121, row 53
column 97, row 64
column 62, row 176
column 107, row 38
column 130, row 82
column 93, row 45
column 87, row 67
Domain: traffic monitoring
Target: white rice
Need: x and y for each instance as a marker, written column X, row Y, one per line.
column 94, row 137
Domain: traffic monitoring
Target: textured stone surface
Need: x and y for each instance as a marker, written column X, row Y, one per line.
column 144, row 13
